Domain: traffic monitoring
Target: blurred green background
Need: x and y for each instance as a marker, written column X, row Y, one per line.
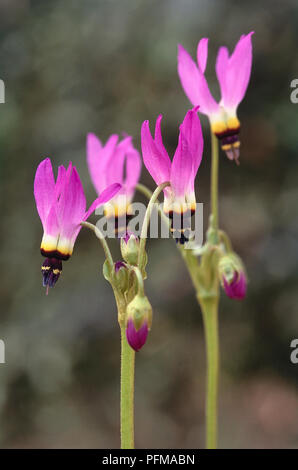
column 71, row 67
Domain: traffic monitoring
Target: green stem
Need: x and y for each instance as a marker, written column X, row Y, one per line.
column 209, row 306
column 214, row 184
column 146, row 221
column 127, row 359
column 127, row 393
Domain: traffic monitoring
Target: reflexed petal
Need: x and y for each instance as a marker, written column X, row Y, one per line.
column 115, row 167
column 72, row 204
column 158, row 139
column 194, row 83
column 44, row 189
column 61, row 178
column 202, row 54
column 156, row 161
column 105, row 196
column 182, row 167
column 192, row 130
column 98, row 157
column 133, row 170
column 237, row 73
column 221, row 67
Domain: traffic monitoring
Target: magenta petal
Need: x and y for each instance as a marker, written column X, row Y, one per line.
column 202, row 54
column 72, row 204
column 105, row 196
column 133, row 170
column 237, row 72
column 61, row 179
column 194, row 83
column 115, row 167
column 237, row 288
column 159, row 142
column 188, row 154
column 136, row 338
column 222, row 62
column 44, row 189
column 98, row 159
column 181, row 171
column 192, row 130
column 155, row 159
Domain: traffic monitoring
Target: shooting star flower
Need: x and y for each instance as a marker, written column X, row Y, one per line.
column 114, row 162
column 180, row 197
column 61, row 206
column 233, row 73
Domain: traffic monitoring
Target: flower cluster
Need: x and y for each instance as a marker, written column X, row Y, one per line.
column 115, row 168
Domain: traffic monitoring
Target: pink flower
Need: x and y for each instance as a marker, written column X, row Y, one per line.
column 114, row 163
column 61, row 206
column 236, row 289
column 181, row 171
column 233, row 73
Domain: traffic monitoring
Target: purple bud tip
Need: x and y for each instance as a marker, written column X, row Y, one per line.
column 118, row 265
column 136, row 338
column 237, row 288
column 127, row 236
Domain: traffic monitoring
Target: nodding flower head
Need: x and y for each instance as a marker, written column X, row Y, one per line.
column 138, row 321
column 114, row 162
column 61, row 206
column 232, row 276
column 233, row 73
column 181, row 171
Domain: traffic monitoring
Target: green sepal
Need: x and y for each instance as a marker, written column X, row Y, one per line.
column 107, row 271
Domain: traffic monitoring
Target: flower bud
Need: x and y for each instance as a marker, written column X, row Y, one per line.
column 138, row 321
column 232, row 276
column 129, row 246
column 121, row 275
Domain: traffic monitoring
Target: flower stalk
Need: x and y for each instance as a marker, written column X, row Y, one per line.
column 127, row 370
column 209, row 307
column 127, row 393
column 146, row 222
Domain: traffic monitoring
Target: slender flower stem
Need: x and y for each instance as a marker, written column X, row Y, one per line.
column 127, row 393
column 127, row 358
column 209, row 306
column 214, row 184
column 102, row 240
column 146, row 221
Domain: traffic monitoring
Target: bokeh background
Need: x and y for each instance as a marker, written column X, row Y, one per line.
column 71, row 67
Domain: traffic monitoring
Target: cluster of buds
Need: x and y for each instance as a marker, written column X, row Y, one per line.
column 127, row 279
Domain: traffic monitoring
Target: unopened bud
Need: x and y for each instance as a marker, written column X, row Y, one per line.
column 121, row 275
column 129, row 246
column 138, row 321
column 232, row 276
